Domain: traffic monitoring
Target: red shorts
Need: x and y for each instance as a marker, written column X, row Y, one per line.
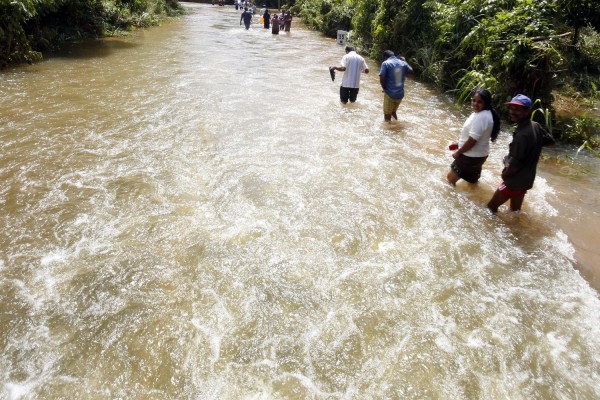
column 510, row 193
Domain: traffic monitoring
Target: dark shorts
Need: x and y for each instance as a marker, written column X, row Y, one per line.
column 468, row 168
column 510, row 193
column 348, row 94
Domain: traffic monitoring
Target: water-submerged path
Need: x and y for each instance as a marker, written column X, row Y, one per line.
column 190, row 213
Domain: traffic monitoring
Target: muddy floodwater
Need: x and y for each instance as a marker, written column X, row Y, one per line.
column 190, row 213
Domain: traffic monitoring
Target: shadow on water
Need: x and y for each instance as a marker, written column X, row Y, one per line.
column 91, row 48
column 395, row 126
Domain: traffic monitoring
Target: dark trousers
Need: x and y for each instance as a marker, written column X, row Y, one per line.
column 348, row 94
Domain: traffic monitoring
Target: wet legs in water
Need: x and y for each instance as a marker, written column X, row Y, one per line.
column 390, row 106
column 452, row 177
column 498, row 199
column 388, row 117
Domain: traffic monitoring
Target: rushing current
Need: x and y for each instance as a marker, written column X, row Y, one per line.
column 191, row 213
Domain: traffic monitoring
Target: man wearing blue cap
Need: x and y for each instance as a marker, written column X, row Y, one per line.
column 523, row 155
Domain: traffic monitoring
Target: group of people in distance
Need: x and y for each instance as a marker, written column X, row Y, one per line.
column 239, row 4
column 481, row 127
column 281, row 21
column 277, row 22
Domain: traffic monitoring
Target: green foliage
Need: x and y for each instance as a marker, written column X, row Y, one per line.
column 473, row 79
column 584, row 129
column 29, row 27
column 588, row 146
column 506, row 46
column 14, row 44
column 513, row 45
column 362, row 23
column 578, row 14
column 428, row 64
column 327, row 16
column 588, row 46
column 545, row 113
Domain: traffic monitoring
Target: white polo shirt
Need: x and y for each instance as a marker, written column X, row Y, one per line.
column 354, row 65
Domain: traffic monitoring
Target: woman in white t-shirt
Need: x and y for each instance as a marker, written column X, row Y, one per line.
column 473, row 146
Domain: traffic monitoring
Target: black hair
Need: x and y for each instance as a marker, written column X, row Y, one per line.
column 349, row 49
column 486, row 96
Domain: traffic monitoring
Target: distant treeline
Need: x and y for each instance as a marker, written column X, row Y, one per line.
column 507, row 46
column 30, row 27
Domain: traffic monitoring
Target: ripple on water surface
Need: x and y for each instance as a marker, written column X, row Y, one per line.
column 195, row 215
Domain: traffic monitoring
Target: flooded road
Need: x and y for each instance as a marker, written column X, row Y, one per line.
column 191, row 213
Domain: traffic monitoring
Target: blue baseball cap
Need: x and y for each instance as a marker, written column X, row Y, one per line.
column 520, row 100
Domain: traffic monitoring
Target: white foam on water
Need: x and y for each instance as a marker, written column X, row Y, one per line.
column 54, row 257
column 27, row 294
column 558, row 345
column 214, row 339
column 16, row 391
column 561, row 244
column 539, row 195
column 475, row 340
column 444, row 343
column 231, row 247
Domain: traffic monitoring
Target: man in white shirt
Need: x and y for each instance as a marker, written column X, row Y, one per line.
column 352, row 65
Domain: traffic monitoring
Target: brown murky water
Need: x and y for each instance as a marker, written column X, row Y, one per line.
column 191, row 213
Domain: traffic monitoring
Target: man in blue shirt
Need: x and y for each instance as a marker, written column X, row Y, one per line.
column 391, row 76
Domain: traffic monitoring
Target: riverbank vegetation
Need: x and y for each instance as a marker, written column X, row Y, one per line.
column 547, row 49
column 29, row 28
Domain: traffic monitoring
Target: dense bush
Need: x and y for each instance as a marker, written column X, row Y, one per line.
column 14, row 44
column 29, row 27
column 507, row 46
column 327, row 16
